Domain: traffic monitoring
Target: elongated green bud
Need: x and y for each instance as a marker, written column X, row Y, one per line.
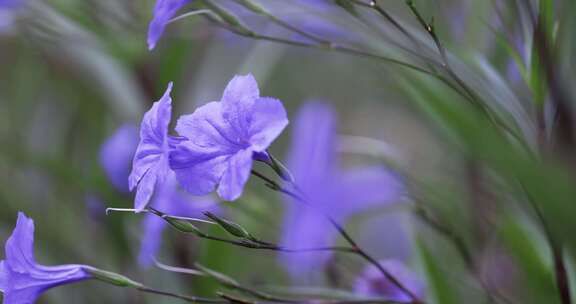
column 182, row 225
column 230, row 227
column 112, row 278
column 281, row 170
column 253, row 6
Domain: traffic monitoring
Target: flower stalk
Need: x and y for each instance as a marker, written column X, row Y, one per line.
column 354, row 246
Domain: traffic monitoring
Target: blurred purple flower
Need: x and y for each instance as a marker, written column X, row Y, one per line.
column 164, row 11
column 11, row 4
column 329, row 190
column 371, row 283
column 22, row 280
column 117, row 153
column 8, row 11
column 150, row 164
column 171, row 200
column 222, row 137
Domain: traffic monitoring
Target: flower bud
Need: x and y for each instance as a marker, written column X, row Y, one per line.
column 112, row 278
column 230, row 227
column 253, row 6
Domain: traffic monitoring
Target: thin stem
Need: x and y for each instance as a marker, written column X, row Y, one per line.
column 330, row 47
column 356, row 249
column 188, row 299
column 254, row 243
column 467, row 92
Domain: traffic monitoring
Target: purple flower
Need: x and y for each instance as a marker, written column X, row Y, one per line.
column 171, row 200
column 163, row 12
column 371, row 283
column 329, row 190
column 117, row 153
column 11, row 4
column 150, row 164
column 8, row 12
column 222, row 137
column 22, row 280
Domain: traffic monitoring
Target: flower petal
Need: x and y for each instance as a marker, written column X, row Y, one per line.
column 237, row 102
column 267, row 122
column 206, row 128
column 153, row 139
column 313, row 149
column 198, row 169
column 365, row 188
column 151, row 240
column 116, row 155
column 236, row 175
column 145, row 189
column 305, row 228
column 3, row 277
column 20, row 246
column 164, row 10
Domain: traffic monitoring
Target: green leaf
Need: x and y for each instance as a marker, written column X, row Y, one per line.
column 537, row 274
column 438, row 281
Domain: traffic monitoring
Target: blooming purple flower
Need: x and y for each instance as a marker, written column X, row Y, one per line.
column 371, row 283
column 22, row 280
column 117, row 153
column 171, row 200
column 329, row 190
column 163, row 12
column 150, row 164
column 223, row 136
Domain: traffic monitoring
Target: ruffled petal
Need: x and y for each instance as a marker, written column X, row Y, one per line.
column 153, row 138
column 236, row 175
column 237, row 102
column 163, row 12
column 267, row 122
column 198, row 169
column 20, row 246
column 145, row 190
column 207, row 128
column 150, row 164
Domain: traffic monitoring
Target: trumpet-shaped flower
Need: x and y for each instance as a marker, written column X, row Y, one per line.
column 371, row 282
column 150, row 164
column 222, row 137
column 328, row 189
column 164, row 11
column 22, row 280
